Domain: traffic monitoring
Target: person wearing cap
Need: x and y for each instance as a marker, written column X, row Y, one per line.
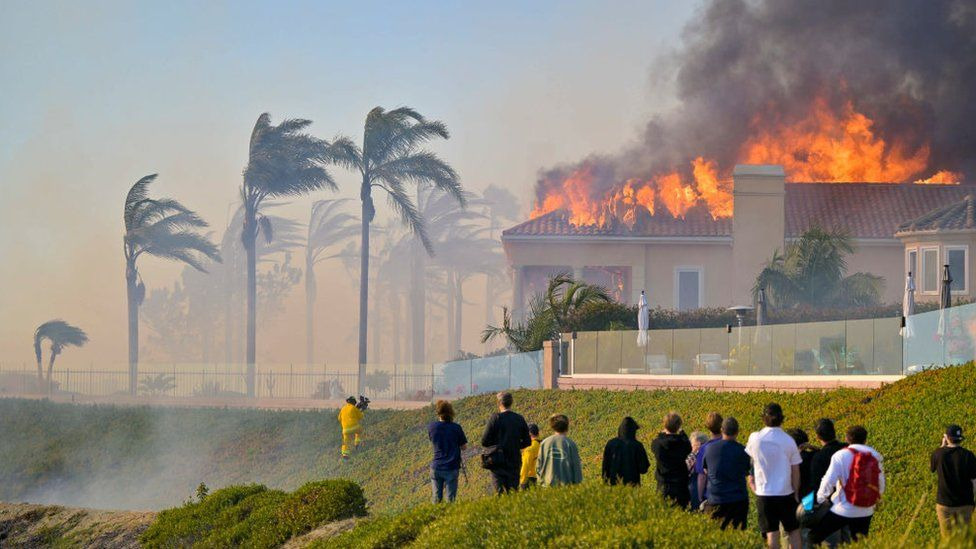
column 956, row 470
column 349, row 418
column 529, row 456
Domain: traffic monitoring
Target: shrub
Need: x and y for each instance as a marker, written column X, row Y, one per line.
column 386, row 531
column 590, row 515
column 617, row 316
column 254, row 516
column 320, row 502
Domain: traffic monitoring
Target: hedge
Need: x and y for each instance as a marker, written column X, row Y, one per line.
column 254, row 516
column 617, row 316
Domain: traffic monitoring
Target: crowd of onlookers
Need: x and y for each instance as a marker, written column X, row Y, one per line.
column 823, row 492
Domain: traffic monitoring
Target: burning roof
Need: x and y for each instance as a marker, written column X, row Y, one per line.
column 872, row 91
column 865, row 210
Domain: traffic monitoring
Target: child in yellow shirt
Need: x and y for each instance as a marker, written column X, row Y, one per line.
column 529, row 456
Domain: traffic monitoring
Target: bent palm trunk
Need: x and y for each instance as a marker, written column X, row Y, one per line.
column 133, row 321
column 311, row 291
column 363, row 293
column 252, row 317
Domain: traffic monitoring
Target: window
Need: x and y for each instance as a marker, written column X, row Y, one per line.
column 930, row 270
column 958, row 258
column 911, row 262
column 688, row 288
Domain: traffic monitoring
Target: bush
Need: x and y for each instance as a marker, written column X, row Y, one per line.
column 254, row 516
column 617, row 316
column 320, row 502
column 386, row 531
column 590, row 515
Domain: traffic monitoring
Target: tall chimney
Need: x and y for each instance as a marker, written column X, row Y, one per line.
column 758, row 224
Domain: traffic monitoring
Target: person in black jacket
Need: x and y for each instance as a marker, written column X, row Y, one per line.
column 820, row 461
column 509, row 432
column 807, row 451
column 624, row 457
column 671, row 448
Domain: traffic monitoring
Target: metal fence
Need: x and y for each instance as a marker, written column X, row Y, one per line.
column 381, row 382
column 844, row 347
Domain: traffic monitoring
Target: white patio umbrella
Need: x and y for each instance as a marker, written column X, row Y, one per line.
column 643, row 320
column 908, row 307
column 945, row 302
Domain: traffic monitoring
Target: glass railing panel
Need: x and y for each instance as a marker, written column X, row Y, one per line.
column 659, row 351
column 687, row 347
column 609, row 350
column 923, row 344
column 860, row 356
column 888, row 349
column 526, row 370
column 490, row 374
column 820, row 348
column 713, row 352
column 632, row 355
column 584, row 349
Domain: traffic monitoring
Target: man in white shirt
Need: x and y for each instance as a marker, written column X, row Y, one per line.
column 842, row 512
column 776, row 478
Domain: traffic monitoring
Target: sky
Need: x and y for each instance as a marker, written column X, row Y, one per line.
column 96, row 95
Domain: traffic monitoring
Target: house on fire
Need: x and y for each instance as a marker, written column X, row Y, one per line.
column 701, row 261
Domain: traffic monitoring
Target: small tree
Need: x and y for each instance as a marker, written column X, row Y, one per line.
column 61, row 335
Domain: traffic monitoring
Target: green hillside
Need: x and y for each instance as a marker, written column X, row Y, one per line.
column 140, row 457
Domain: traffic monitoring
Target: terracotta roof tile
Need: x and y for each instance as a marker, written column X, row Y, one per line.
column 954, row 217
column 866, row 210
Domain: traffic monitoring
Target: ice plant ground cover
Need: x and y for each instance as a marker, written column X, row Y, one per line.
column 114, row 457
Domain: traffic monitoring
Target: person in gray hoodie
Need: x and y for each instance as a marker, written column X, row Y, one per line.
column 559, row 460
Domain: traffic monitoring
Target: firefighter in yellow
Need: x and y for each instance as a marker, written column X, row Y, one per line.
column 349, row 418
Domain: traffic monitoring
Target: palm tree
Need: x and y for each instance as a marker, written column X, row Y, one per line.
column 813, row 272
column 283, row 160
column 61, row 335
column 547, row 313
column 163, row 228
column 328, row 227
column 389, row 159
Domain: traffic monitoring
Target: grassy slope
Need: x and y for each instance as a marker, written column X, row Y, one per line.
column 55, row 446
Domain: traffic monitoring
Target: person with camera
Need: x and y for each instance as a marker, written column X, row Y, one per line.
column 349, row 418
column 955, row 467
column 502, row 442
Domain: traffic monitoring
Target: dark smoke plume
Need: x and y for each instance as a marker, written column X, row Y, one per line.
column 910, row 65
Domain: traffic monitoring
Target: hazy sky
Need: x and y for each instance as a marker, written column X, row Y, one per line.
column 98, row 94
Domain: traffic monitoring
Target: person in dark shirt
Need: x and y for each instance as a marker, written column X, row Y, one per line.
column 671, row 449
column 807, row 451
column 624, row 457
column 727, row 465
column 448, row 440
column 829, row 445
column 956, row 470
column 509, row 432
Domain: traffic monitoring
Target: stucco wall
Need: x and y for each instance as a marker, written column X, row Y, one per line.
column 885, row 260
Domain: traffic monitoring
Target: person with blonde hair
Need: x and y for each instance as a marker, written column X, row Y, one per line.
column 448, row 441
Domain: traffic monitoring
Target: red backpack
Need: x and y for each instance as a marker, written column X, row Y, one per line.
column 863, row 484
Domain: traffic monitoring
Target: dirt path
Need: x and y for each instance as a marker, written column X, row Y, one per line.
column 28, row 525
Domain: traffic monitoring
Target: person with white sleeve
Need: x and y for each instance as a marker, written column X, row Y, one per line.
column 854, row 484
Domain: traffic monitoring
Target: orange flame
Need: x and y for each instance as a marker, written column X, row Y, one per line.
column 830, row 147
column 942, row 177
column 825, row 146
